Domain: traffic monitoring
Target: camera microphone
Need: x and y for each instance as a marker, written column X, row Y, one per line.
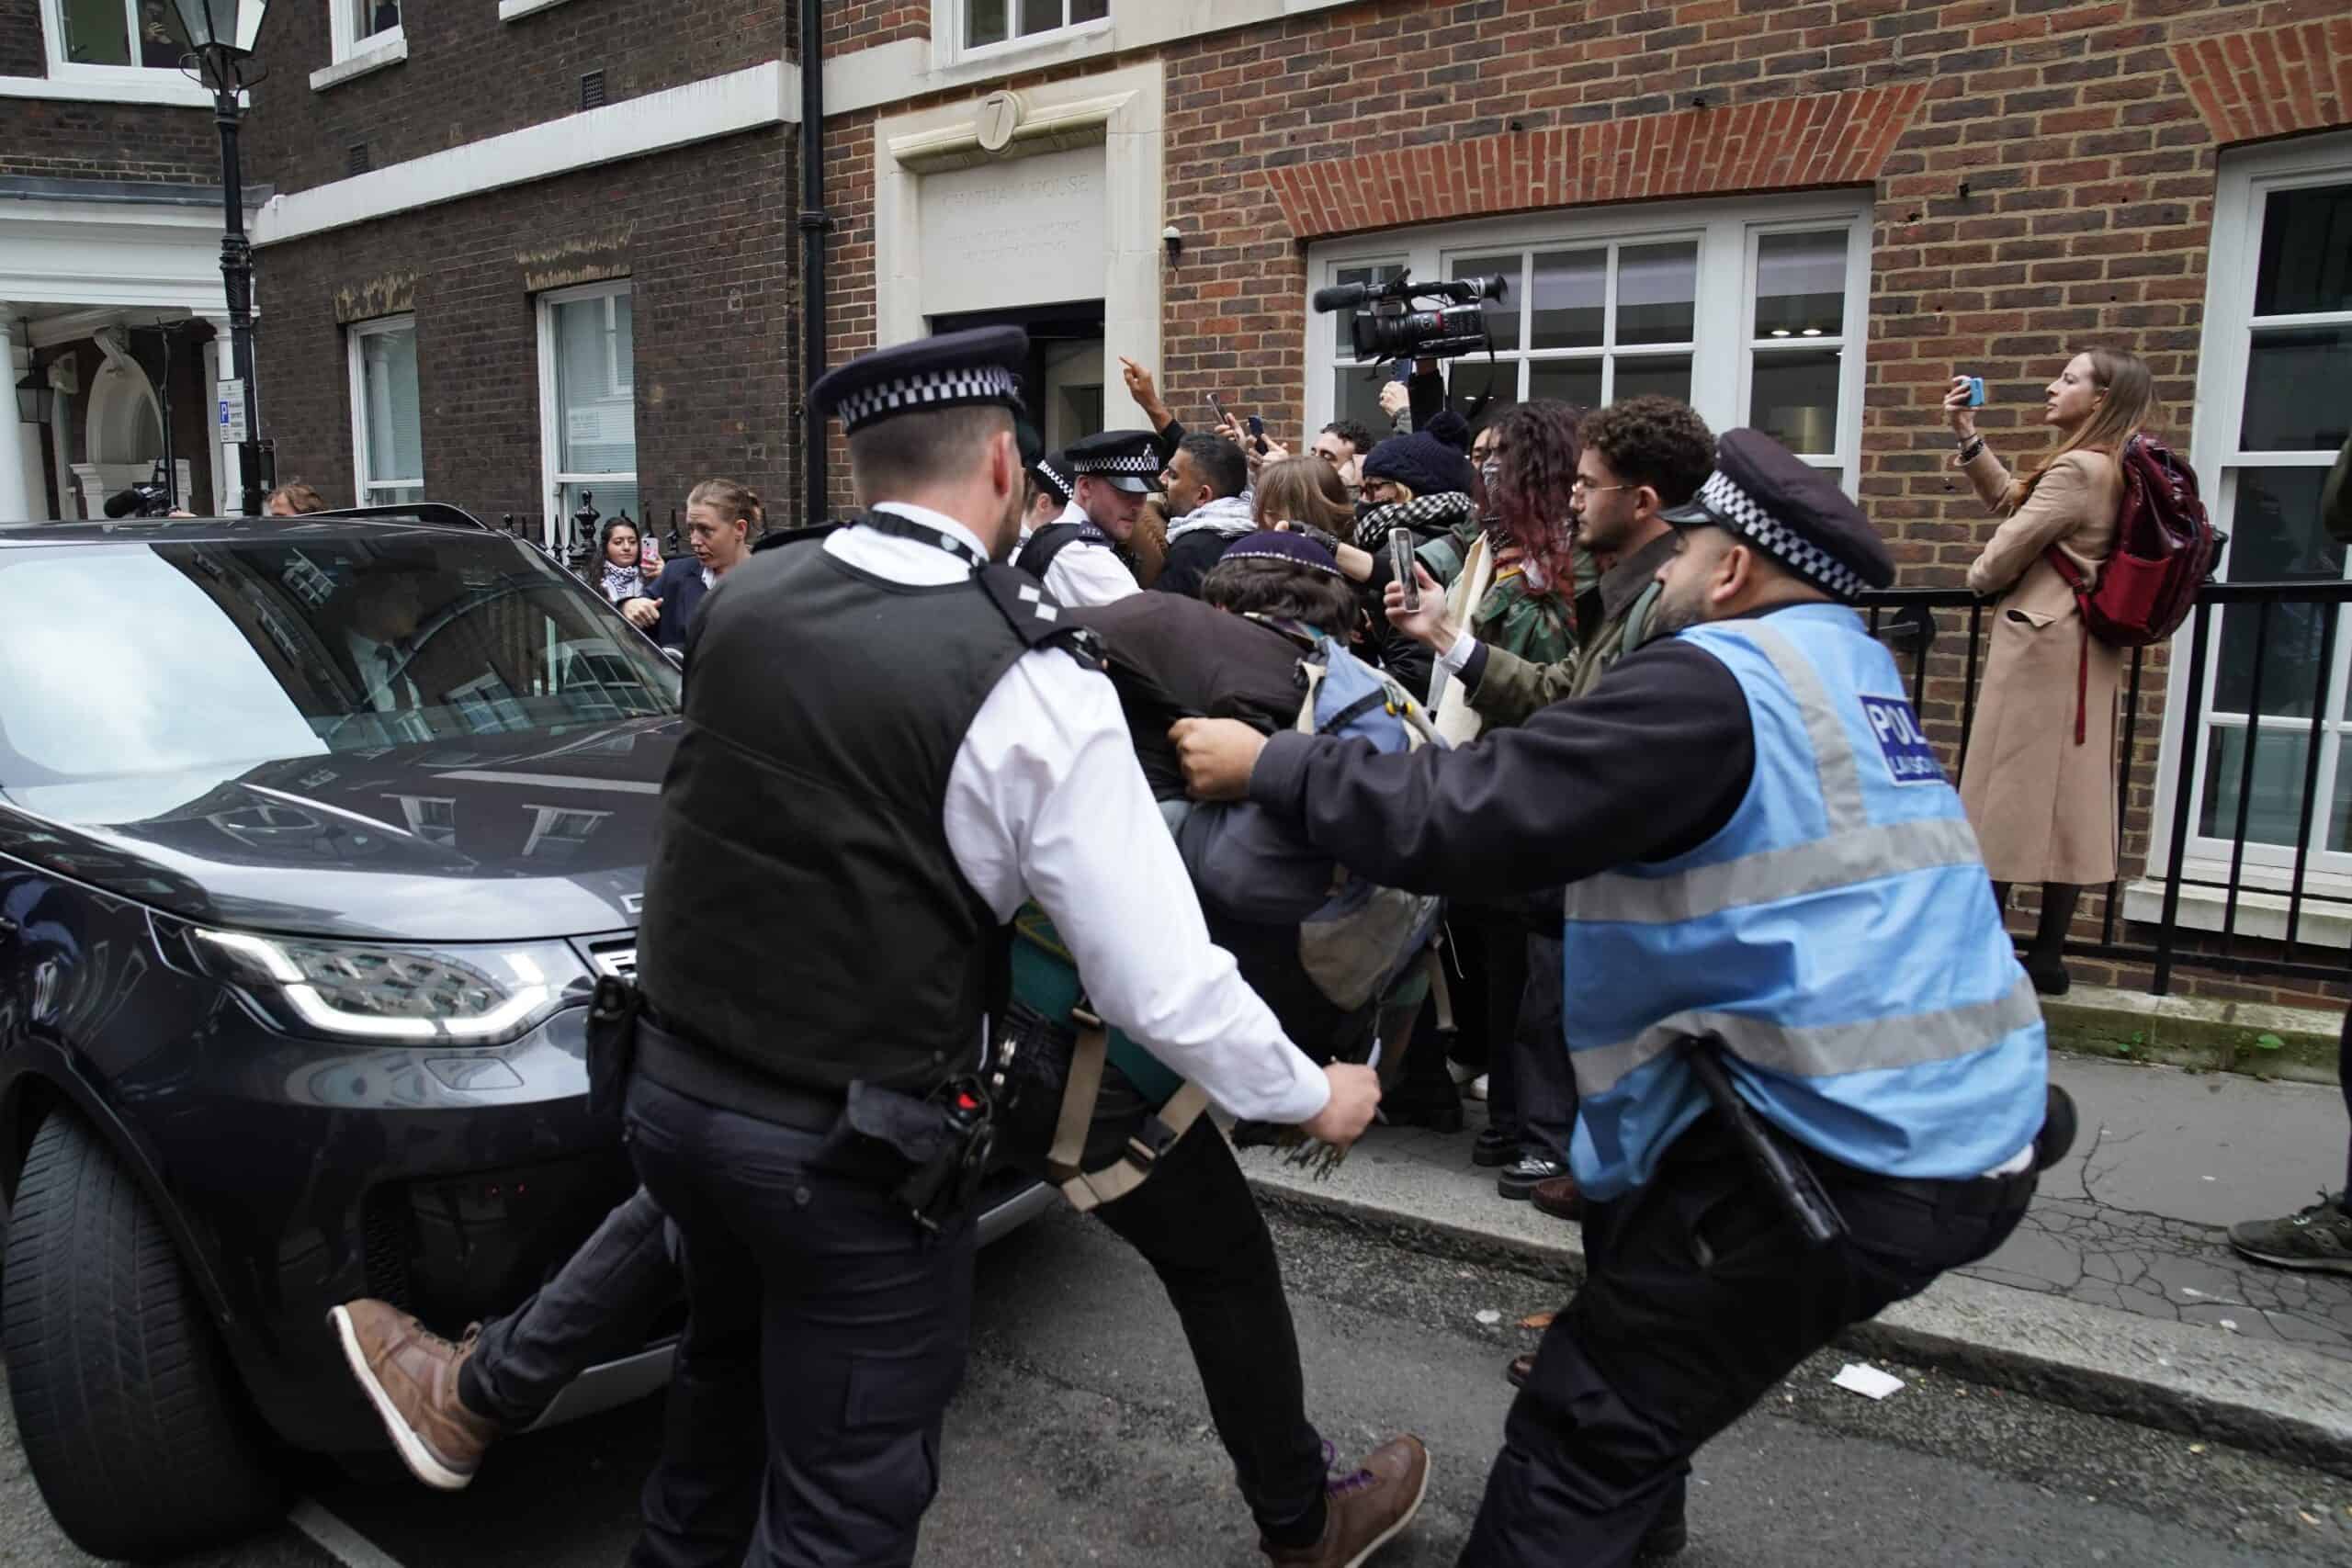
column 1340, row 297
column 123, row 503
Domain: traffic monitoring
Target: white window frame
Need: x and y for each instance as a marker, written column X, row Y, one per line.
column 1723, row 349
column 364, row 480
column 2240, row 193
column 116, row 83
column 550, row 437
column 947, row 32
column 342, row 28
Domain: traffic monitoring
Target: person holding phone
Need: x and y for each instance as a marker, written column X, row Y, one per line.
column 629, row 561
column 2038, row 776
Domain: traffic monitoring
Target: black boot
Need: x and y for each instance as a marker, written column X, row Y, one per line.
column 2045, row 961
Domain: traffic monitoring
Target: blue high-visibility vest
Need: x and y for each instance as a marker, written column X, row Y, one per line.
column 1839, row 934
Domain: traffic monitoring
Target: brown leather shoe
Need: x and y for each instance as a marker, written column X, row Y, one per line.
column 411, row 1376
column 1366, row 1511
column 1561, row 1198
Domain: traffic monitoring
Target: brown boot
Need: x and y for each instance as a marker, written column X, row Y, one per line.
column 1561, row 1198
column 411, row 1376
column 1366, row 1511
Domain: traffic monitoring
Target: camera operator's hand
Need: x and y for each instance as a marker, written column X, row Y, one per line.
column 1145, row 392
column 642, row 612
column 1428, row 624
column 1956, row 409
column 1395, row 399
column 1355, row 1095
column 1218, row 755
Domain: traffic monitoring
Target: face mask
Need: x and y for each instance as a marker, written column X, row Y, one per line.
column 1490, row 473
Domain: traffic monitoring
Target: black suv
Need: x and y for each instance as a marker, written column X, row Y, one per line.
column 313, row 834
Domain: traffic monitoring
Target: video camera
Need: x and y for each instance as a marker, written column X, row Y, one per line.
column 150, row 500
column 1392, row 329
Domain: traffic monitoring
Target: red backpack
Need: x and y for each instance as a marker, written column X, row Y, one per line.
column 2164, row 548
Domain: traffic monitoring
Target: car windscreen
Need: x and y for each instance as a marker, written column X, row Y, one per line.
column 153, row 657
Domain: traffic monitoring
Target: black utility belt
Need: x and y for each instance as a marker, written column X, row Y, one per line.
column 685, row 1068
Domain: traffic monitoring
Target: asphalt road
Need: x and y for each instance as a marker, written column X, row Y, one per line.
column 1081, row 1439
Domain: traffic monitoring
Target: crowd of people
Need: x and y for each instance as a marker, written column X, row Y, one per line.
column 1607, row 810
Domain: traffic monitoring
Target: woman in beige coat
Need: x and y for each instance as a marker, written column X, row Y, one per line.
column 2039, row 779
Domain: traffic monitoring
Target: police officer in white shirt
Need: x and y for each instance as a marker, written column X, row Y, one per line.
column 823, row 937
column 1076, row 556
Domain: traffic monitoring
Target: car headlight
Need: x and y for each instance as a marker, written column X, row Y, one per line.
column 465, row 995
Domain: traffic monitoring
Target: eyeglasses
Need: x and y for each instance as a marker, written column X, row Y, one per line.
column 1578, row 484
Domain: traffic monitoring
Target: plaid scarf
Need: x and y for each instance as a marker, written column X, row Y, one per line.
column 1423, row 516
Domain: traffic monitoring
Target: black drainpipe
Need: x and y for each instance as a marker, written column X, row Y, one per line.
column 815, row 223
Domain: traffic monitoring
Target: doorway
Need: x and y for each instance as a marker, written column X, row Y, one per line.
column 1065, row 385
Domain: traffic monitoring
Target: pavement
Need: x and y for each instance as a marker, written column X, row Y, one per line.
column 2118, row 1294
column 1081, row 1440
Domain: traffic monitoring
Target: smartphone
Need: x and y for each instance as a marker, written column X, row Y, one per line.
column 1217, row 406
column 1257, row 433
column 1976, row 391
column 1400, row 561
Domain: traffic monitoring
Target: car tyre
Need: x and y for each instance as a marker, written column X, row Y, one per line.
column 126, row 1402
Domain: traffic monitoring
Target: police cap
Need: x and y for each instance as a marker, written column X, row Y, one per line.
column 1791, row 510
column 967, row 369
column 1128, row 459
column 1051, row 471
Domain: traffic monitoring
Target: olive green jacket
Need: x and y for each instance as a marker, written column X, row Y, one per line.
column 1511, row 687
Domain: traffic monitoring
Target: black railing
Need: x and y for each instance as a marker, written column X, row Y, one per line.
column 1914, row 624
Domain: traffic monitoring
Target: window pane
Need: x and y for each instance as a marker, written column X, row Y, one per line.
column 1571, row 299
column 597, row 433
column 1040, row 16
column 1801, row 285
column 392, row 495
column 2297, row 391
column 1357, row 395
column 371, row 17
column 162, row 36
column 1657, row 291
column 2275, row 534
column 1089, row 10
column 610, row 498
column 387, row 378
column 1342, row 342
column 1792, row 398
column 1502, row 315
column 96, row 32
column 1471, row 377
column 1667, row 375
column 2276, row 799
column 984, row 22
column 1573, row 381
column 2306, row 252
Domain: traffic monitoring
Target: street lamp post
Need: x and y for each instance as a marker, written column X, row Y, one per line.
column 220, row 36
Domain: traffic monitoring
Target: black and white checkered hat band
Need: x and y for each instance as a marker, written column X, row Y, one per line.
column 1742, row 515
column 1144, row 463
column 944, row 388
column 1055, row 476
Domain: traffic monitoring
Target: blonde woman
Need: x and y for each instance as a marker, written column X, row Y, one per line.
column 2039, row 779
column 722, row 519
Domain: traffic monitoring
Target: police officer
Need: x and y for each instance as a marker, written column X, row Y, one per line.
column 1050, row 493
column 1077, row 555
column 823, row 941
column 1761, row 849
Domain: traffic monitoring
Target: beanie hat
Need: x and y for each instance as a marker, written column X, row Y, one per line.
column 1422, row 463
column 1452, row 429
column 1275, row 543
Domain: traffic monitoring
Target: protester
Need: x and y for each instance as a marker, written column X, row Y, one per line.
column 627, row 566
column 1205, row 485
column 721, row 517
column 1343, row 444
column 2319, row 1237
column 2038, row 776
column 294, row 498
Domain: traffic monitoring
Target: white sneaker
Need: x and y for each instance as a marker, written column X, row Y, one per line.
column 1475, row 1089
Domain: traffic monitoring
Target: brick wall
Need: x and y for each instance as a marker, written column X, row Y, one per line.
column 61, row 139
column 470, row 75
column 706, row 234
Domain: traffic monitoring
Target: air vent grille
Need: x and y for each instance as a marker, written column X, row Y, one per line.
column 592, row 90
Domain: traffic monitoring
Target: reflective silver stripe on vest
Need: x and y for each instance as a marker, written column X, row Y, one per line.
column 1833, row 749
column 1823, row 1050
column 1769, row 876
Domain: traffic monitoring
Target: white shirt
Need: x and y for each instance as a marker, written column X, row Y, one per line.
column 1044, row 800
column 1084, row 573
column 375, row 673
